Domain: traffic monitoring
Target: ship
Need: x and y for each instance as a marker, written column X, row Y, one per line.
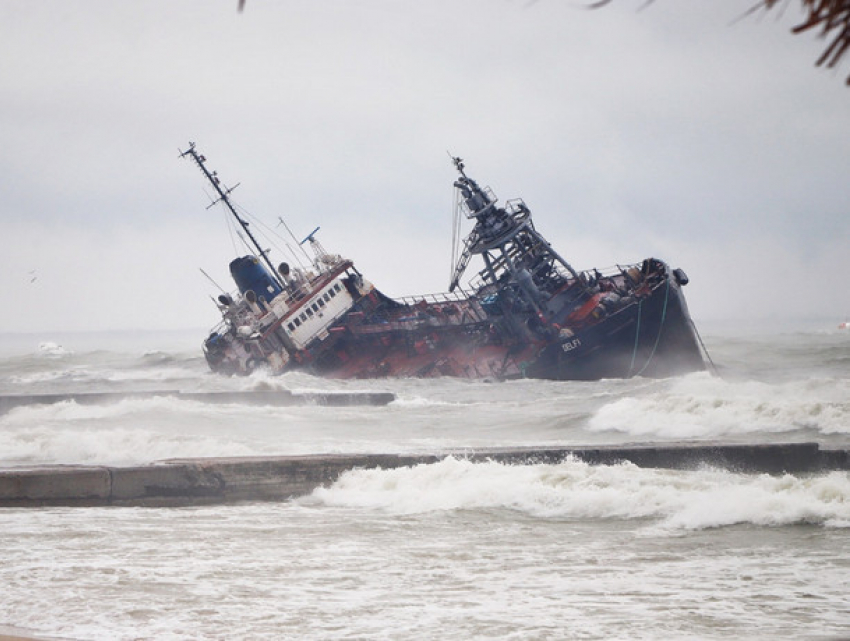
column 526, row 312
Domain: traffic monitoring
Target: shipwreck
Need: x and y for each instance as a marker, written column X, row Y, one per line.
column 526, row 312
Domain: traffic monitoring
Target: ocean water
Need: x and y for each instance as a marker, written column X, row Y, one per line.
column 453, row 550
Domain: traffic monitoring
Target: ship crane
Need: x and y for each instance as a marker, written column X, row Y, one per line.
column 506, row 240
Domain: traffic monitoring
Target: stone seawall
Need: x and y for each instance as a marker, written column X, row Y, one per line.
column 226, row 480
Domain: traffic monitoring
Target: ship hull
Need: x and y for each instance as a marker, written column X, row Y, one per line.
column 653, row 337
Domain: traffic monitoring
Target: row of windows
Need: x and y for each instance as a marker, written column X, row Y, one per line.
column 315, row 307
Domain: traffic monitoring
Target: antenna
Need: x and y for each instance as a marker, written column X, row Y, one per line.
column 294, row 239
column 224, row 193
column 315, row 244
column 310, row 236
column 458, row 163
column 212, row 281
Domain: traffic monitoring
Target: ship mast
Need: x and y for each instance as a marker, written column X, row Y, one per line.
column 224, row 196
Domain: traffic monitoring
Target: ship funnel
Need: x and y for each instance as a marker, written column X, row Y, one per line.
column 250, row 274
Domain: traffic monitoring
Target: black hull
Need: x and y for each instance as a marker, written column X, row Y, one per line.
column 654, row 337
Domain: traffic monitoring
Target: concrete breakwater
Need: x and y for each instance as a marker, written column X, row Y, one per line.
column 250, row 397
column 225, row 480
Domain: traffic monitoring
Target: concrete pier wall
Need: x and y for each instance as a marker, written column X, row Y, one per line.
column 250, row 397
column 227, row 480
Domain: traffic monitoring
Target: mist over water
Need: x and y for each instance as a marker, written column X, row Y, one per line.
column 785, row 387
column 453, row 550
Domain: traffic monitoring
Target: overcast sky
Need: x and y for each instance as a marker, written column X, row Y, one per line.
column 686, row 131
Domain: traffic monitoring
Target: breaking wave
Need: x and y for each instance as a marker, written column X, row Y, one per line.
column 126, row 432
column 48, row 348
column 676, row 501
column 115, row 446
column 702, row 406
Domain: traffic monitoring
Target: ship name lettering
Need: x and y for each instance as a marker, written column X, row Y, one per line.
column 567, row 347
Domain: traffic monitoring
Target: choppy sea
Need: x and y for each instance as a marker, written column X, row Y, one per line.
column 453, row 550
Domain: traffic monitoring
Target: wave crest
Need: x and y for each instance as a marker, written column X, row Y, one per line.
column 676, row 500
column 703, row 406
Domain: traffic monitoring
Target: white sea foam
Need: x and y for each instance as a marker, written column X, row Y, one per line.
column 131, row 431
column 704, row 406
column 67, row 375
column 456, row 549
column 49, row 348
column 420, row 401
column 67, row 412
column 92, row 376
column 676, row 500
column 157, row 374
column 113, row 446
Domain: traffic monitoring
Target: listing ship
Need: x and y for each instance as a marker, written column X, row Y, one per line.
column 526, row 313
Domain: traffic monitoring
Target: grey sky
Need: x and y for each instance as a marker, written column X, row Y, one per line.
column 677, row 131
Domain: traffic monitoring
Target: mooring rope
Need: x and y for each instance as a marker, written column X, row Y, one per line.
column 637, row 338
column 660, row 328
column 704, row 349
